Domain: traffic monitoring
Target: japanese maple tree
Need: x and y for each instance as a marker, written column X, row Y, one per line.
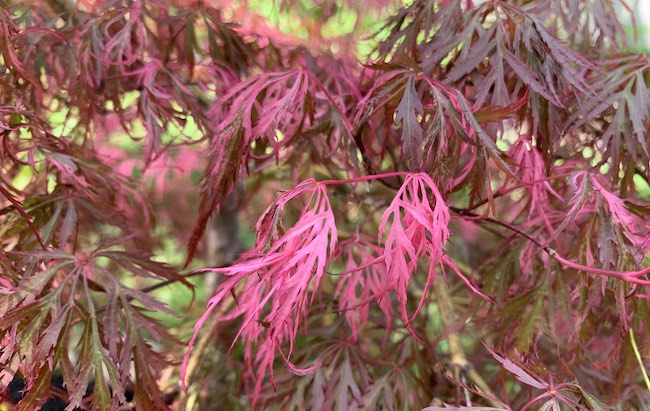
column 447, row 201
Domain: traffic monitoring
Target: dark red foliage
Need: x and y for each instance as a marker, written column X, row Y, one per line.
column 458, row 220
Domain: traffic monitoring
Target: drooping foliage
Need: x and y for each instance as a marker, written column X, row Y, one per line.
column 451, row 200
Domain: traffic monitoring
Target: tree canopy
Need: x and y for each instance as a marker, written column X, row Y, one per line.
column 444, row 203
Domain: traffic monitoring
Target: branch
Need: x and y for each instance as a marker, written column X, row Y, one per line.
column 170, row 281
column 160, row 285
column 629, row 276
column 457, row 353
column 503, row 191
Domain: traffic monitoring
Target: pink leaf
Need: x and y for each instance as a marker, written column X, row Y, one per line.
column 519, row 372
column 418, row 229
column 276, row 279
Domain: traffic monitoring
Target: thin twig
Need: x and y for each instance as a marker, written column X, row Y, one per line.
column 628, row 276
column 171, row 281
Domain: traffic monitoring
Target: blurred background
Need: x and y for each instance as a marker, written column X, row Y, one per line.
column 641, row 12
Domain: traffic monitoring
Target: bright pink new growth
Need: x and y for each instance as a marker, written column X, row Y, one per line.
column 416, row 231
column 273, row 282
column 531, row 166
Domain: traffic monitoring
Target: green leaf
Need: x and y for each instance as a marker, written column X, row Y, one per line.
column 590, row 401
column 526, row 331
column 101, row 394
column 38, row 391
